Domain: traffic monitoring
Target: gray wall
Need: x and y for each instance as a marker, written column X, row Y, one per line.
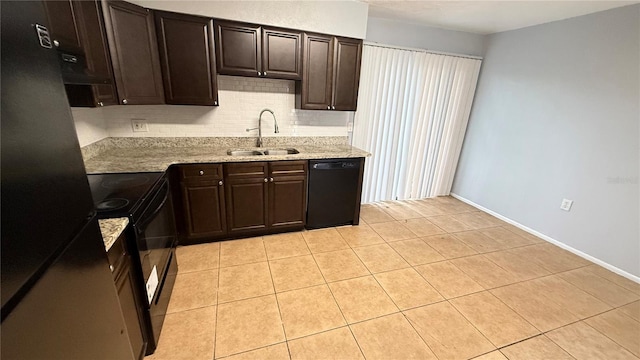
column 424, row 37
column 556, row 115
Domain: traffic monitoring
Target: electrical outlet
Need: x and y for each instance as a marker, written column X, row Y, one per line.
column 350, row 126
column 566, row 204
column 139, row 125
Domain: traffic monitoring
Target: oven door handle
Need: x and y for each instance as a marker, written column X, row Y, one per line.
column 148, row 218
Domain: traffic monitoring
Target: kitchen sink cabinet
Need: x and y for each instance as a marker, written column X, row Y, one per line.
column 126, row 286
column 133, row 46
column 287, row 194
column 257, row 51
column 203, row 203
column 187, row 56
column 331, row 73
column 246, row 187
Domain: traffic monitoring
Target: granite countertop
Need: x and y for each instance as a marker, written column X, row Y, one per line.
column 111, row 229
column 149, row 157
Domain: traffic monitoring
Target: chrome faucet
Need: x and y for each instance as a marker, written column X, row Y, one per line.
column 276, row 129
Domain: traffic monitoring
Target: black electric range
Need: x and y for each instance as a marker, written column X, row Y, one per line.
column 145, row 198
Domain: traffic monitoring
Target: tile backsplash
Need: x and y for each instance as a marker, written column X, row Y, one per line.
column 241, row 100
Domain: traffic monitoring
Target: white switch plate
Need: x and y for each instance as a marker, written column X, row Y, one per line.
column 566, row 204
column 139, row 125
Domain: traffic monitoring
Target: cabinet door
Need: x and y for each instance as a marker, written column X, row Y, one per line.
column 246, row 204
column 239, row 48
column 134, row 52
column 63, row 25
column 94, row 42
column 287, row 201
column 346, row 73
column 204, row 210
column 187, row 57
column 126, row 286
column 281, row 54
column 317, row 67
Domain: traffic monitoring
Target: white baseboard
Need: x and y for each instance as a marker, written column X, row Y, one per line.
column 551, row 240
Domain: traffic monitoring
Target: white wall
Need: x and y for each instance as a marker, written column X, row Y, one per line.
column 556, row 115
column 404, row 34
column 341, row 17
column 241, row 100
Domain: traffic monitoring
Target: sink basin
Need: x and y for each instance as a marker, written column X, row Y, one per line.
column 244, row 152
column 240, row 152
column 281, row 151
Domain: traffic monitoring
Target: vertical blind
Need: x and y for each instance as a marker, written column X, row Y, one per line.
column 413, row 109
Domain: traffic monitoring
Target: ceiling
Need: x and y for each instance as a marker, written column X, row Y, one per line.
column 485, row 17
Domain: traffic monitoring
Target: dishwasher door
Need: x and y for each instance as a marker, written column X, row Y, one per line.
column 333, row 192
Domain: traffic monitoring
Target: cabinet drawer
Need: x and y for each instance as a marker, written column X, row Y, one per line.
column 248, row 169
column 201, row 171
column 117, row 254
column 288, row 168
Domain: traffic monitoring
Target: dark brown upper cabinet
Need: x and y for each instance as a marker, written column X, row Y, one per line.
column 346, row 73
column 134, row 53
column 331, row 73
column 94, row 43
column 187, row 57
column 78, row 29
column 63, row 25
column 253, row 50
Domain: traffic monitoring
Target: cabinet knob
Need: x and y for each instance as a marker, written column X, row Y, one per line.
column 100, row 103
column 265, row 73
column 328, row 107
column 333, row 107
column 266, row 180
column 220, row 183
column 215, row 103
column 271, row 179
column 124, row 101
column 259, row 73
column 201, row 172
column 111, row 268
column 56, row 43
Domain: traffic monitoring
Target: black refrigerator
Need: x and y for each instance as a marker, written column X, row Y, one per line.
column 58, row 296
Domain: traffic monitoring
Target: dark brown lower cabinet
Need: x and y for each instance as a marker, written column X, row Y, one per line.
column 287, row 194
column 201, row 190
column 246, row 197
column 249, row 198
column 120, row 263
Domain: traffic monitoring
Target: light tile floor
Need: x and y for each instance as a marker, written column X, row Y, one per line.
column 427, row 279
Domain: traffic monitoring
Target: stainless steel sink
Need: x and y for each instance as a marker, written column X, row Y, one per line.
column 281, row 151
column 240, row 152
column 244, row 152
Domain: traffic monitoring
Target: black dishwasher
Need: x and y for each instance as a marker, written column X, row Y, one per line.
column 334, row 192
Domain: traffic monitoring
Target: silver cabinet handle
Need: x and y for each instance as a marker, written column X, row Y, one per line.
column 124, row 101
column 220, row 183
column 201, row 172
column 328, row 107
column 56, row 43
column 111, row 268
column 215, row 103
column 100, row 103
column 259, row 73
column 265, row 73
column 333, row 107
column 266, row 180
column 271, row 179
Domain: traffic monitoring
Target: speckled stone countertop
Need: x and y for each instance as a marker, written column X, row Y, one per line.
column 111, row 229
column 156, row 154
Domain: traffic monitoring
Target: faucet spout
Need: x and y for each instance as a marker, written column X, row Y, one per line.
column 276, row 129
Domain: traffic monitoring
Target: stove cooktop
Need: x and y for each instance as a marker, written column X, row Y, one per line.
column 118, row 194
